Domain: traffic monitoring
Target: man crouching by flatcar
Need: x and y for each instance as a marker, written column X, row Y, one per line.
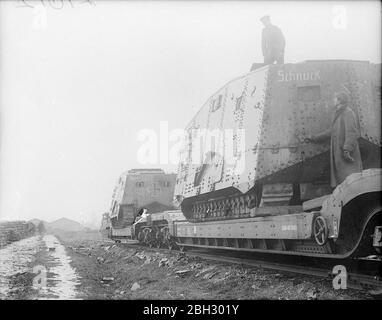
column 345, row 156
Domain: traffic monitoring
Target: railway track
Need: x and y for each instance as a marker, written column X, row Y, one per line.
column 358, row 281
column 360, row 274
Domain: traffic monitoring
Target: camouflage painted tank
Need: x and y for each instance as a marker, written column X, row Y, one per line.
column 245, row 147
column 140, row 189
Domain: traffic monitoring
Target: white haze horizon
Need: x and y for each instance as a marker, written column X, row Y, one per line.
column 78, row 84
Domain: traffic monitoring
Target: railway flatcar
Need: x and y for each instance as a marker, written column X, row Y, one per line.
column 249, row 181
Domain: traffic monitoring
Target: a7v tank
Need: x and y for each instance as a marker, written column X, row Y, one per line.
column 245, row 147
column 140, row 189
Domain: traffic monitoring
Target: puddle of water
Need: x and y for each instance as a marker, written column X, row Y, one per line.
column 14, row 258
column 63, row 283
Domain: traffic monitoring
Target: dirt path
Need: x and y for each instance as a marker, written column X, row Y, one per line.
column 53, row 266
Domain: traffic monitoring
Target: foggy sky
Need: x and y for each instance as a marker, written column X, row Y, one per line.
column 77, row 87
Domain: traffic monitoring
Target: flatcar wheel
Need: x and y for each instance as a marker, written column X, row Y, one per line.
column 170, row 245
column 141, row 237
column 158, row 239
column 320, row 230
column 148, row 238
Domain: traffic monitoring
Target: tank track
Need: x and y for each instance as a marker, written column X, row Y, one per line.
column 235, row 206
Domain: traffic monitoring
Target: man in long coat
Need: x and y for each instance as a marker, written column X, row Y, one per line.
column 345, row 156
column 272, row 42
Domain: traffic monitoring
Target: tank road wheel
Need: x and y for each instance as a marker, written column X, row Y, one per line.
column 320, row 230
column 158, row 239
column 227, row 207
column 162, row 237
column 171, row 244
column 168, row 241
column 141, row 236
column 251, row 201
column 148, row 237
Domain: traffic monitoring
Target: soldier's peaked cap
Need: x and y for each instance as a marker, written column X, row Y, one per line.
column 264, row 18
column 343, row 97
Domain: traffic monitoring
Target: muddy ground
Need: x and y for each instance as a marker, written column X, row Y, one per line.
column 109, row 271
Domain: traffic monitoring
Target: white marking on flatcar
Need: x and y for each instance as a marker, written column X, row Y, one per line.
column 292, row 227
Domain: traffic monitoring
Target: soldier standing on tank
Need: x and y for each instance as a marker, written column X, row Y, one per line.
column 272, row 42
column 345, row 156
